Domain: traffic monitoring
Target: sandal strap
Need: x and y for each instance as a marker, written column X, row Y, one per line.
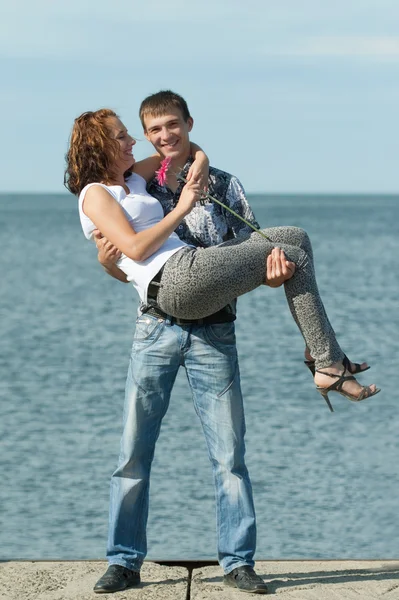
column 341, row 376
column 337, row 385
column 365, row 393
column 346, row 363
column 355, row 368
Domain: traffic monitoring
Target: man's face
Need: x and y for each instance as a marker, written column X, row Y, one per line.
column 169, row 134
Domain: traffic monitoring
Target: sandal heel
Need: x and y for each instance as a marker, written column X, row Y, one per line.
column 325, row 396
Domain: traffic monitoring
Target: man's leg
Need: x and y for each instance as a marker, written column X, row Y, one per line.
column 152, row 371
column 213, row 374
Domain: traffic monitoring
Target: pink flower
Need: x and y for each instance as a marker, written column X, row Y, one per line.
column 163, row 169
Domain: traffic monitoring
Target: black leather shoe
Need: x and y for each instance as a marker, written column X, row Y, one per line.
column 115, row 579
column 246, row 580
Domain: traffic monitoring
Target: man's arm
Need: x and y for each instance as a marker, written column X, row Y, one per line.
column 115, row 272
column 107, row 257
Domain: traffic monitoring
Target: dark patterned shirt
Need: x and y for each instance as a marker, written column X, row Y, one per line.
column 209, row 224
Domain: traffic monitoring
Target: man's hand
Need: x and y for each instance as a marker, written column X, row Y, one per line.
column 107, row 253
column 279, row 269
column 107, row 256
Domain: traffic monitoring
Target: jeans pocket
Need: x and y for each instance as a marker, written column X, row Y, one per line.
column 222, row 337
column 148, row 329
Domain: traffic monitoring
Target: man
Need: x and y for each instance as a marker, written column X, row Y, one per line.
column 207, row 350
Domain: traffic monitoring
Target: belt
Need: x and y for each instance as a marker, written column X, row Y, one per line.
column 153, row 286
column 222, row 316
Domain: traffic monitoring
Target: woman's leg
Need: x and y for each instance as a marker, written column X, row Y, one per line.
column 299, row 237
column 295, row 236
column 196, row 283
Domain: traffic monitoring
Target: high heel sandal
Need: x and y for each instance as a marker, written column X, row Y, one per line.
column 345, row 361
column 365, row 391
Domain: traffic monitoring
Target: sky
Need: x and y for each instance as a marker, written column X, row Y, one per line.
column 292, row 96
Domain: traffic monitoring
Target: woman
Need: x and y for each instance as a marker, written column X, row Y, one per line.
column 193, row 283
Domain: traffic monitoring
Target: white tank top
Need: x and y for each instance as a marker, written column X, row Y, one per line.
column 142, row 211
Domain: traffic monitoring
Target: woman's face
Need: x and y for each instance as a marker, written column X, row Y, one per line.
column 119, row 133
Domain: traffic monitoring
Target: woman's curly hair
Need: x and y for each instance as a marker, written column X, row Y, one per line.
column 92, row 151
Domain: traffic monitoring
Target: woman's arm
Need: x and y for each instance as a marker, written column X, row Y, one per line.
column 199, row 170
column 147, row 167
column 109, row 217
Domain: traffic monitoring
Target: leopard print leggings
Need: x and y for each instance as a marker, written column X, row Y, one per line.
column 197, row 282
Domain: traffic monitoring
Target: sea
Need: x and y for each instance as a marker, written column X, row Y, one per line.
column 326, row 485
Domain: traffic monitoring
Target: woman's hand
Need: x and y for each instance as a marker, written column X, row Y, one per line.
column 190, row 195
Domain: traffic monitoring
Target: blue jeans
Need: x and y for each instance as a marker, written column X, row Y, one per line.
column 209, row 355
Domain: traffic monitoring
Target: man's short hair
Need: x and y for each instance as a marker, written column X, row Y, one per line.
column 160, row 103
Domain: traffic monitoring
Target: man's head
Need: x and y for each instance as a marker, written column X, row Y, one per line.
column 167, row 124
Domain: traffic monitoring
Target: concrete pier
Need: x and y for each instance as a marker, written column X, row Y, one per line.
column 299, row 580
